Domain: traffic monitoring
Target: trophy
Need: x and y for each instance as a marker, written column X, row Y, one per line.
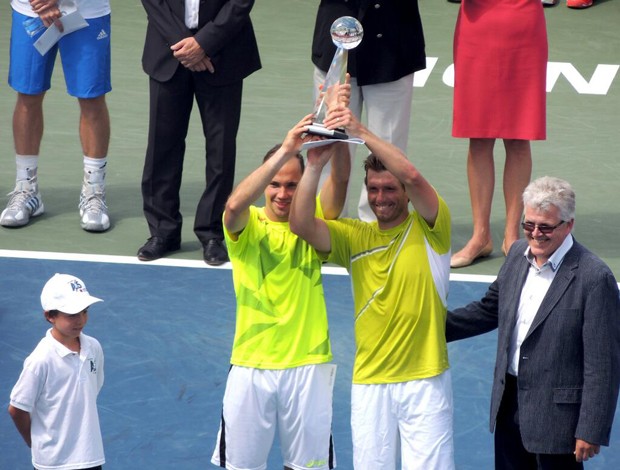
column 346, row 34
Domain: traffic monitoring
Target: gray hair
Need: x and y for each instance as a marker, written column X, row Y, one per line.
column 548, row 191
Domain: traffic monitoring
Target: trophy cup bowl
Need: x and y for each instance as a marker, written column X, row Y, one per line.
column 346, row 33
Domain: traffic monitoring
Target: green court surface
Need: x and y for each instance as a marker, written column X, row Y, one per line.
column 582, row 145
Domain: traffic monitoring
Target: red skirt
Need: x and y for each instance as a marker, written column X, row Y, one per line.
column 500, row 70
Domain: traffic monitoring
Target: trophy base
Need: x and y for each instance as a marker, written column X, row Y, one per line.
column 322, row 131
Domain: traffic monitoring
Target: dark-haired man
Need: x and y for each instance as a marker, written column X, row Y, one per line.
column 280, row 377
column 402, row 394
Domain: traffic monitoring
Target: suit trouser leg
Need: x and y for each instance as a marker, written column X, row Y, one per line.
column 509, row 451
column 220, row 110
column 169, row 114
column 510, row 454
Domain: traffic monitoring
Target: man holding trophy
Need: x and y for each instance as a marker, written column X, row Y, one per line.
column 281, row 375
column 401, row 396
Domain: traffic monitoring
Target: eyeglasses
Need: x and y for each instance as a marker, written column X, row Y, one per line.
column 546, row 229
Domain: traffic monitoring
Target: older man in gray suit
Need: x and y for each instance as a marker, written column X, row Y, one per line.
column 557, row 311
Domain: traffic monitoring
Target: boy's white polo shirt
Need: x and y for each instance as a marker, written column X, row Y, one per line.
column 59, row 389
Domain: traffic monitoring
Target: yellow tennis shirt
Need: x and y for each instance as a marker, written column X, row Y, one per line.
column 281, row 316
column 400, row 283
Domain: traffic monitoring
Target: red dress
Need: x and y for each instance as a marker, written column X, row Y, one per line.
column 500, row 70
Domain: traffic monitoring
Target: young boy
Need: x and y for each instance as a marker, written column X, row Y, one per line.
column 54, row 402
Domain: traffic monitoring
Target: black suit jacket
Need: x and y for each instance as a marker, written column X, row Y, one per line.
column 569, row 369
column 393, row 43
column 224, row 31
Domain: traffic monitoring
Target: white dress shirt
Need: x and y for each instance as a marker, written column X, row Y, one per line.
column 191, row 13
column 534, row 290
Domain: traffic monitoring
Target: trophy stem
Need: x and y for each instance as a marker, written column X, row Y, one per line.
column 335, row 75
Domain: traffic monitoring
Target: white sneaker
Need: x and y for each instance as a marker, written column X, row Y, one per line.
column 93, row 209
column 24, row 202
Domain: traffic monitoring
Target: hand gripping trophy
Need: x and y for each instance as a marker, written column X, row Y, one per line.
column 346, row 34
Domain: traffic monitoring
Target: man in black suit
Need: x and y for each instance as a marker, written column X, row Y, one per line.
column 557, row 310
column 203, row 50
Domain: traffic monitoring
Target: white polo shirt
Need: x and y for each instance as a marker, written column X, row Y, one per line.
column 59, row 388
column 87, row 8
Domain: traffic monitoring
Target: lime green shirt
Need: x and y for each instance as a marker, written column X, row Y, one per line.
column 281, row 316
column 400, row 283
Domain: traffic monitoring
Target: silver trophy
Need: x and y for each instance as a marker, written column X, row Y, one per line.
column 346, row 34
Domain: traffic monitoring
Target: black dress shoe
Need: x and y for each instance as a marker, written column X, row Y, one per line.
column 156, row 247
column 215, row 252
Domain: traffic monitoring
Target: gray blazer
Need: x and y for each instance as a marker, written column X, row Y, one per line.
column 569, row 369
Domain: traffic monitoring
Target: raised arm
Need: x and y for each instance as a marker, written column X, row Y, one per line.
column 302, row 218
column 237, row 209
column 334, row 190
column 422, row 195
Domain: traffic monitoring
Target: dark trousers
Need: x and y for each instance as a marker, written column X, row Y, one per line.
column 509, row 451
column 171, row 104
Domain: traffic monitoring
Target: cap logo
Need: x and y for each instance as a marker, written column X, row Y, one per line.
column 76, row 286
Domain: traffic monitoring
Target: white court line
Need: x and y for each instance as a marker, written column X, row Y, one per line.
column 182, row 263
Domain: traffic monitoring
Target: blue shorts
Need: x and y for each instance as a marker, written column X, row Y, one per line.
column 85, row 56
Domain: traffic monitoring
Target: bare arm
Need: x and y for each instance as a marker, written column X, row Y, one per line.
column 334, row 191
column 21, row 419
column 302, row 218
column 237, row 211
column 420, row 192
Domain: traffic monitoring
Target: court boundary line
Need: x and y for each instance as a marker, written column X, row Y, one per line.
column 182, row 263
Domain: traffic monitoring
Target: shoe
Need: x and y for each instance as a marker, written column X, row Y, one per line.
column 93, row 209
column 460, row 261
column 549, row 3
column 579, row 4
column 24, row 202
column 215, row 253
column 157, row 247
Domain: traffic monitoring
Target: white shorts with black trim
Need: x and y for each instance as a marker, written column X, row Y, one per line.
column 297, row 401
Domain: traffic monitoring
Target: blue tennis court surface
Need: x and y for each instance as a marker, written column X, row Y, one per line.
column 167, row 333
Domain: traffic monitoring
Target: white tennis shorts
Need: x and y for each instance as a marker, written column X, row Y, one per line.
column 297, row 401
column 414, row 417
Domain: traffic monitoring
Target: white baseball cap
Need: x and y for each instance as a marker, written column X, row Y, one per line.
column 67, row 294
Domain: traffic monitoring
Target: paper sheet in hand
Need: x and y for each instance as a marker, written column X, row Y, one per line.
column 70, row 22
column 320, row 143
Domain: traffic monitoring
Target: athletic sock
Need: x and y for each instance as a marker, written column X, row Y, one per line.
column 94, row 170
column 26, row 166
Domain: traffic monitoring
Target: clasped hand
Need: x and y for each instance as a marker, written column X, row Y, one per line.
column 189, row 53
column 48, row 11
